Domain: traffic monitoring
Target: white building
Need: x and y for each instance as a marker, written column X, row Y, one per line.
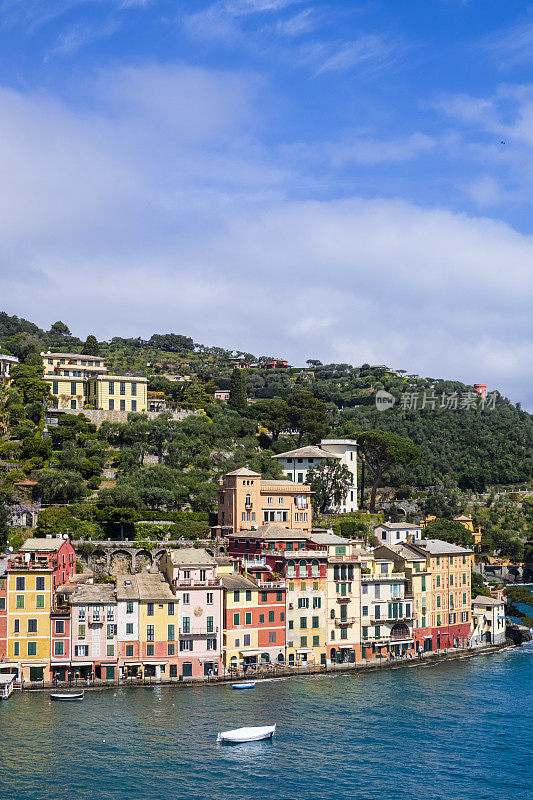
column 488, row 621
column 6, row 362
column 296, row 463
column 398, row 532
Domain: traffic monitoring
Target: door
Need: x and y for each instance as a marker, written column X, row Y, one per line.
column 187, row 669
column 110, row 673
column 208, row 667
column 36, row 673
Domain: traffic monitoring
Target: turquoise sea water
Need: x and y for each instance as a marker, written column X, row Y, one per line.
column 457, row 731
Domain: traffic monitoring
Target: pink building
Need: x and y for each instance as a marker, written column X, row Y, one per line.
column 94, row 631
column 192, row 575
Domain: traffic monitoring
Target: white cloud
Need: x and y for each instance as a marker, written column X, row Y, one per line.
column 369, row 51
column 161, row 210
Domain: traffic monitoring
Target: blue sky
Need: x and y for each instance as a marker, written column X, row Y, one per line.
column 349, row 181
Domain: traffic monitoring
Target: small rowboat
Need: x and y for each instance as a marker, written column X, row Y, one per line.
column 245, row 685
column 240, row 735
column 67, row 695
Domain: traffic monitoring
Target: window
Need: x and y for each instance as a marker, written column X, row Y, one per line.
column 272, row 637
column 55, row 387
column 423, row 587
column 149, row 649
column 365, row 611
column 186, row 599
column 271, row 616
column 378, row 631
column 270, row 500
column 264, row 597
column 209, row 598
column 129, row 628
column 81, row 631
column 111, row 387
column 32, row 648
column 210, row 624
column 16, row 648
column 236, row 619
column 451, row 580
column 150, row 631
column 59, row 648
column 111, row 405
column 438, row 601
column 170, row 609
column 439, row 619
column 202, row 574
column 133, row 389
column 81, row 650
column 39, row 584
column 211, row 644
column 236, row 596
column 129, row 608
column 171, row 648
column 261, row 618
column 438, row 581
column 248, row 618
column 314, row 622
column 39, row 601
column 248, row 595
column 16, row 625
column 20, row 601
column 303, row 622
column 291, row 624
column 134, row 405
column 464, row 598
column 122, row 405
column 303, row 641
column 129, row 651
column 60, row 626
column 186, row 624
column 20, row 584
column 110, row 650
column 170, row 633
column 246, row 640
column 2, row 603
column 73, row 387
column 186, row 645
column 303, row 602
column 150, row 609
column 317, row 602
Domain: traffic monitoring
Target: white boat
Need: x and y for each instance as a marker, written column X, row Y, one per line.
column 240, row 735
column 67, row 695
column 245, row 685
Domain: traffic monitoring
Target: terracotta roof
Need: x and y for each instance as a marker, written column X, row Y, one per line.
column 87, row 593
column 327, row 538
column 154, row 587
column 127, row 587
column 271, row 531
column 436, row 547
column 244, row 471
column 481, row 600
column 398, row 526
column 237, row 582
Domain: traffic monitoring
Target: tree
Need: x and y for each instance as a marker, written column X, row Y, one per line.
column 308, row 415
column 59, row 486
column 449, row 531
column 237, row 391
column 329, row 481
column 313, row 362
column 30, row 384
column 382, row 450
column 59, row 329
column 474, row 480
column 273, row 414
column 173, row 342
column 91, row 346
column 4, row 528
column 478, row 587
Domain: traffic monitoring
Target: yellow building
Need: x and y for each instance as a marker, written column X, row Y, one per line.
column 68, row 393
column 28, row 619
column 158, row 626
column 72, row 365
column 343, row 598
column 118, row 392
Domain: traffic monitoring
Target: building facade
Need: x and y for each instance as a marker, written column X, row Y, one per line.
column 398, row 532
column 6, row 364
column 297, row 463
column 247, row 501
column 488, row 621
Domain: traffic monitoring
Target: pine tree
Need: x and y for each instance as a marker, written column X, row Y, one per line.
column 91, row 348
column 237, row 391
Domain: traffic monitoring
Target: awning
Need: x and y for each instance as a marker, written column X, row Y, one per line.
column 305, row 650
column 155, row 663
column 34, row 664
column 82, row 663
column 132, row 664
column 249, row 652
column 60, row 663
column 402, row 641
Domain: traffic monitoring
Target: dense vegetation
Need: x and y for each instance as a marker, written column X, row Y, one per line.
column 120, row 474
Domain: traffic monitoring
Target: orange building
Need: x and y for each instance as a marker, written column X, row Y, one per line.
column 246, row 501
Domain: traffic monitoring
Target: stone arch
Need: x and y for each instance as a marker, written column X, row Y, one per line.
column 400, row 631
column 143, row 561
column 156, row 558
column 120, row 562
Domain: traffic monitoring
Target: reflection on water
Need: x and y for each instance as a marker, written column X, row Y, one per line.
column 459, row 730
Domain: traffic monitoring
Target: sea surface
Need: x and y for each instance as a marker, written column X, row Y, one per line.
column 460, row 730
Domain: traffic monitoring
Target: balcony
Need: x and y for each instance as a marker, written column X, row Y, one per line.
column 343, row 559
column 198, row 631
column 190, row 582
column 63, row 611
column 95, row 619
column 341, row 622
column 271, row 584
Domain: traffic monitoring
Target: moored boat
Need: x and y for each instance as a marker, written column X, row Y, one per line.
column 240, row 735
column 67, row 695
column 244, row 685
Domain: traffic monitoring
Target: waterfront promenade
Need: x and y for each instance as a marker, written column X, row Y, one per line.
column 277, row 671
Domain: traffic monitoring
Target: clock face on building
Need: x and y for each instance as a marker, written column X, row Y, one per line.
column 198, row 611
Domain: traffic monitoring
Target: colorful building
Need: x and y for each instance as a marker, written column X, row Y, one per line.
column 118, row 393
column 6, row 364
column 254, row 621
column 398, row 532
column 93, row 626
column 192, row 575
column 488, row 621
column 128, row 632
column 158, row 626
column 33, row 576
column 246, row 501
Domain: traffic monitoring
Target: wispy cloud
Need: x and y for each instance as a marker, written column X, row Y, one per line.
column 77, row 36
column 514, row 46
column 370, row 51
